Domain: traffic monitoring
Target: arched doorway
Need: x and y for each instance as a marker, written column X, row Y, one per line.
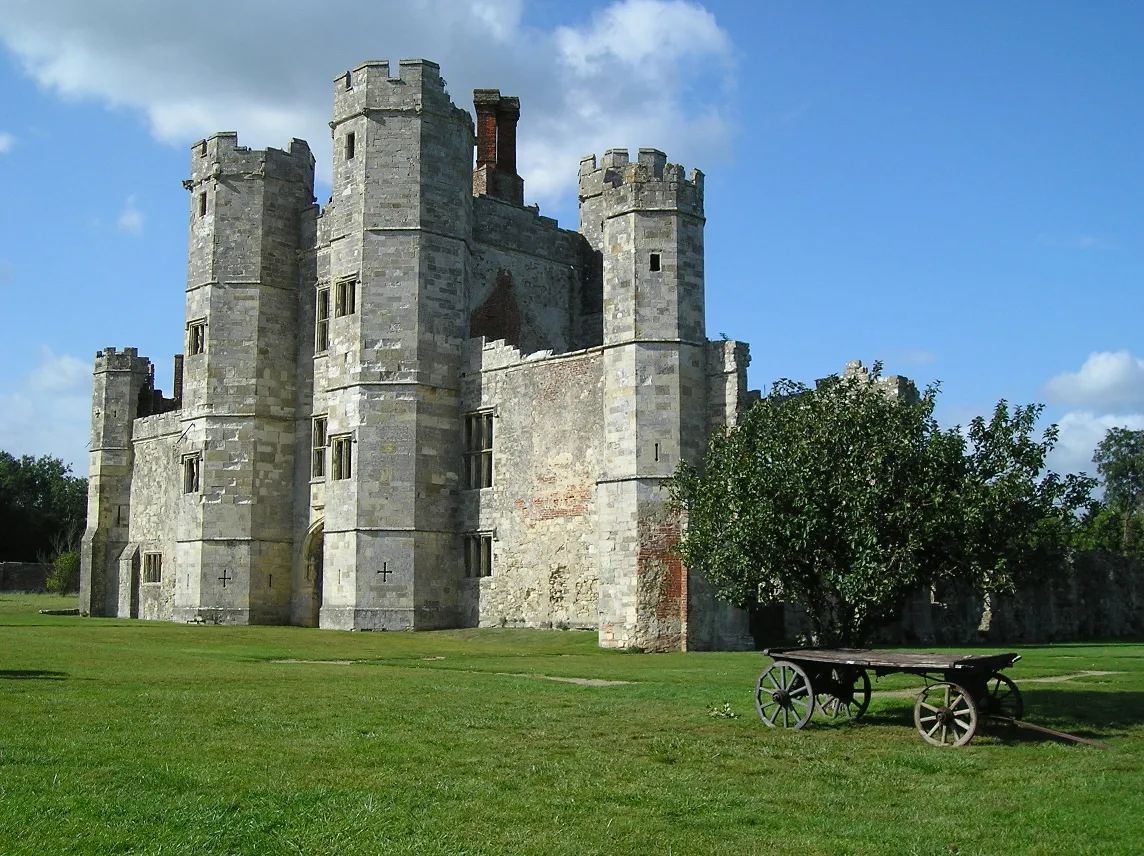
column 315, row 559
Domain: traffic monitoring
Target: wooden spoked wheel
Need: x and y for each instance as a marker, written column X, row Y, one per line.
column 783, row 696
column 946, row 715
column 1002, row 698
column 846, row 695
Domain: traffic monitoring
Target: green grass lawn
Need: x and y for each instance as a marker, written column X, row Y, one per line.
column 140, row 737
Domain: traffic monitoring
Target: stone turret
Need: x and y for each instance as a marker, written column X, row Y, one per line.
column 391, row 261
column 118, row 380
column 237, row 442
column 647, row 220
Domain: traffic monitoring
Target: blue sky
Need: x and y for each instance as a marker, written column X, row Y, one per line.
column 953, row 189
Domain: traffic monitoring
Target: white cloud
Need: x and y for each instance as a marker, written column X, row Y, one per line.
column 918, row 357
column 634, row 74
column 130, row 218
column 1080, row 431
column 1075, row 242
column 6, row 142
column 1107, row 381
column 49, row 413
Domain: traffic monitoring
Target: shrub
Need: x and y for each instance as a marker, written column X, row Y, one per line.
column 64, row 575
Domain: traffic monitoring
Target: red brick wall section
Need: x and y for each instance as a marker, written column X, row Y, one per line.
column 498, row 317
column 657, row 556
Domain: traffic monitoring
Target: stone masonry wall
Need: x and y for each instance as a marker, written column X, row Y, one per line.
column 1100, row 595
column 155, row 490
column 543, row 262
column 542, row 507
column 23, row 576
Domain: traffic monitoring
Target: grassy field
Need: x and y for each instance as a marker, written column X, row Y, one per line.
column 140, row 737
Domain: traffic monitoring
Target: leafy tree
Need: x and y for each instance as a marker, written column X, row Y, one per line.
column 1105, row 528
column 1016, row 519
column 43, row 507
column 1119, row 459
column 845, row 499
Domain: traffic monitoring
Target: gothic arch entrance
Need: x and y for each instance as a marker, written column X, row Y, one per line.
column 315, row 561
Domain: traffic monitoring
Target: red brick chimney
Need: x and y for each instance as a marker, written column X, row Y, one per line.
column 486, row 102
column 495, row 174
column 508, row 114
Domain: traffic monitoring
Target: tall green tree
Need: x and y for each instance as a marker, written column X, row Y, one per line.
column 1105, row 528
column 43, row 507
column 1119, row 459
column 844, row 499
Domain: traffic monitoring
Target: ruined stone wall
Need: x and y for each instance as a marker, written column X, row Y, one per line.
column 23, row 576
column 155, row 488
column 1099, row 595
column 524, row 266
column 542, row 508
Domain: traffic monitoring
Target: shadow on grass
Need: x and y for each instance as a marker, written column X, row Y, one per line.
column 1090, row 714
column 31, row 675
column 1068, row 709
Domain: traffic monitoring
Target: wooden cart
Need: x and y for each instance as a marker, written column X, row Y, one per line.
column 960, row 691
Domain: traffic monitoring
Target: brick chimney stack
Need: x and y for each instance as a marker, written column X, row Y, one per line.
column 508, row 114
column 495, row 174
column 486, row 102
column 178, row 381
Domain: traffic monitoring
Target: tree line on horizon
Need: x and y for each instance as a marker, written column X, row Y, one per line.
column 43, row 512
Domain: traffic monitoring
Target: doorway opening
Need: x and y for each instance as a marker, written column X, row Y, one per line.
column 315, row 554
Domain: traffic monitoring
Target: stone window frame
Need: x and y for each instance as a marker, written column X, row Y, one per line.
column 477, row 547
column 351, row 145
column 152, row 568
column 341, row 456
column 654, row 263
column 322, row 319
column 345, row 297
column 197, row 337
column 479, row 436
column 192, row 470
column 318, row 443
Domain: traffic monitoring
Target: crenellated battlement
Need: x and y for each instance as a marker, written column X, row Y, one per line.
column 418, row 86
column 127, row 360
column 648, row 183
column 220, row 155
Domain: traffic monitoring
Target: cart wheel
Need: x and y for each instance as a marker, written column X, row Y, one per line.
column 1002, row 698
column 783, row 696
column 849, row 694
column 946, row 715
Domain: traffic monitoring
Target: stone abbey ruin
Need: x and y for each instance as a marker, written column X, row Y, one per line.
column 423, row 405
